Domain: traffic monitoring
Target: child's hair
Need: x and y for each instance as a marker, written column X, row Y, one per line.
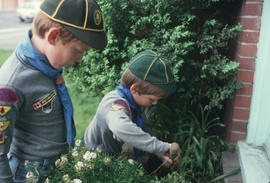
column 42, row 23
column 145, row 87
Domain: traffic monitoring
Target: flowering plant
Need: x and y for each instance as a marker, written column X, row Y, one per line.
column 80, row 165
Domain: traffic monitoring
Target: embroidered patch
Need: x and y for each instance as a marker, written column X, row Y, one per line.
column 9, row 96
column 2, row 138
column 4, row 110
column 4, row 125
column 48, row 107
column 119, row 104
column 46, row 101
column 97, row 17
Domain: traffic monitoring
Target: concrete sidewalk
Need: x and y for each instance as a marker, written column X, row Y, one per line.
column 230, row 162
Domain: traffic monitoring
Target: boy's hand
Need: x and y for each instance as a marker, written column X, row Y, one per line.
column 174, row 151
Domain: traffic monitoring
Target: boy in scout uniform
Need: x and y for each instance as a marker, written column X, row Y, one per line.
column 36, row 113
column 119, row 118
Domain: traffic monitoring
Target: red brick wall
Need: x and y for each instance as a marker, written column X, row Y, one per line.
column 238, row 109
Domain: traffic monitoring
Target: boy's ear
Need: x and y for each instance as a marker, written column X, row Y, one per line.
column 134, row 89
column 52, row 35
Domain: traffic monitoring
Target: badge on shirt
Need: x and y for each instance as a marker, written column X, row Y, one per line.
column 120, row 104
column 4, row 110
column 4, row 125
column 8, row 95
column 2, row 138
column 46, row 102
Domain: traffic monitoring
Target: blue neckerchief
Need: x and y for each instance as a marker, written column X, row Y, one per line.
column 37, row 60
column 125, row 93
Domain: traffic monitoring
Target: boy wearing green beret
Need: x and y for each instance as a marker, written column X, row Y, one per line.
column 36, row 112
column 120, row 119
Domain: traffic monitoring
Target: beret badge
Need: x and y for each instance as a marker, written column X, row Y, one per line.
column 97, row 17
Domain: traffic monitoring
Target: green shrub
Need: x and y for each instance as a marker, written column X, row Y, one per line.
column 95, row 167
column 197, row 133
column 194, row 36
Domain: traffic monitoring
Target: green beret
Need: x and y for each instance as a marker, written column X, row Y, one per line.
column 83, row 18
column 152, row 67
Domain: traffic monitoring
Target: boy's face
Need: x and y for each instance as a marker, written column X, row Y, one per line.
column 67, row 54
column 145, row 100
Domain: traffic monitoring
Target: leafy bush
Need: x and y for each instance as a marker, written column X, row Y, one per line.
column 83, row 166
column 195, row 36
column 197, row 134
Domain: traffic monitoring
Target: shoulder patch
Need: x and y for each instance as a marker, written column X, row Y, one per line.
column 119, row 104
column 8, row 95
column 4, row 110
column 4, row 125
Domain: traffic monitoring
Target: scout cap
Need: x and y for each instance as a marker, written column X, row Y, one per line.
column 152, row 67
column 83, row 18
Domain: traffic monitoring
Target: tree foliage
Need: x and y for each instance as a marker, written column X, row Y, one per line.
column 194, row 35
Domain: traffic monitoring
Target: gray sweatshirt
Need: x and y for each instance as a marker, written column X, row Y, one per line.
column 113, row 126
column 31, row 115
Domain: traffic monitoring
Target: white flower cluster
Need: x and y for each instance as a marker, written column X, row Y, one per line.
column 75, row 153
column 107, row 160
column 66, row 179
column 31, row 177
column 79, row 165
column 61, row 161
column 131, row 161
column 76, row 181
column 82, row 161
column 47, row 180
column 78, row 142
column 89, row 155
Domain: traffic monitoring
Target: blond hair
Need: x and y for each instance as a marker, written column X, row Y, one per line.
column 145, row 87
column 42, row 23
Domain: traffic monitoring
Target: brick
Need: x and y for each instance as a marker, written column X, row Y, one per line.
column 242, row 101
column 254, row 9
column 241, row 114
column 246, row 63
column 250, row 23
column 239, row 126
column 246, row 89
column 247, row 50
column 249, row 37
column 237, row 136
column 245, row 76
